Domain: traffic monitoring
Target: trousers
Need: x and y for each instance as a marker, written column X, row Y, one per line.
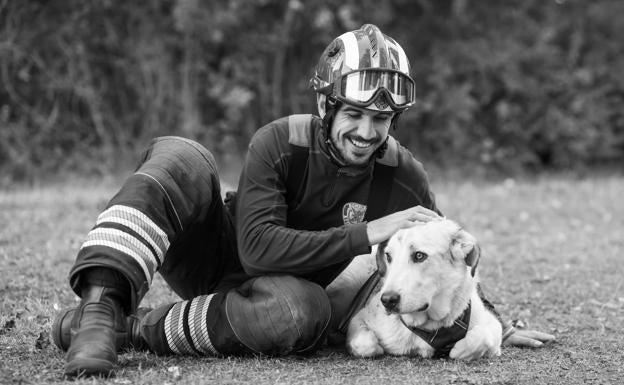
column 169, row 218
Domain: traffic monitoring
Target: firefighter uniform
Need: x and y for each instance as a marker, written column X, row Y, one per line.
column 251, row 273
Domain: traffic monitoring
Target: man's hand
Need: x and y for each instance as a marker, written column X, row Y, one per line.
column 383, row 228
column 528, row 338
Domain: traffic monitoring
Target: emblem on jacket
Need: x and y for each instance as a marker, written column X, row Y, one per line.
column 353, row 213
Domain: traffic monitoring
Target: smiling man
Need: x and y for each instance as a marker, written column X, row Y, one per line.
column 315, row 192
column 357, row 133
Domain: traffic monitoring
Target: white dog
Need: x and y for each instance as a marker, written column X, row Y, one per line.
column 426, row 302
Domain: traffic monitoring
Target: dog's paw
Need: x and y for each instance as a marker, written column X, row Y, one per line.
column 478, row 343
column 364, row 345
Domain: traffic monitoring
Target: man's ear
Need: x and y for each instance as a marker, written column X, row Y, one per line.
column 380, row 257
column 320, row 104
column 464, row 246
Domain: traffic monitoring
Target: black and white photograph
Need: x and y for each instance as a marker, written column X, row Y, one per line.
column 312, row 192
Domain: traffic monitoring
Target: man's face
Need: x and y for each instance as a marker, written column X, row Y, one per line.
column 357, row 133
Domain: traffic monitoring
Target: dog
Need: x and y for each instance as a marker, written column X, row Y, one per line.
column 426, row 301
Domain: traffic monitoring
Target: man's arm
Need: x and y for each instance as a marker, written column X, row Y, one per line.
column 265, row 243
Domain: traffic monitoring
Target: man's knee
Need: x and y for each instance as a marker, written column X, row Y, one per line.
column 178, row 156
column 184, row 169
column 279, row 314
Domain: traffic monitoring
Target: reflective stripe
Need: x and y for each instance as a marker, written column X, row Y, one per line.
column 352, row 52
column 197, row 324
column 125, row 250
column 125, row 240
column 169, row 331
column 403, row 62
column 299, row 129
column 174, row 329
column 175, row 321
column 140, row 223
column 158, row 249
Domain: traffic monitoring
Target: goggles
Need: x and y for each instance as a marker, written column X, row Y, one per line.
column 361, row 88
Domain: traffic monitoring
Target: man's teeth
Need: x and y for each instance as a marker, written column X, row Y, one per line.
column 360, row 143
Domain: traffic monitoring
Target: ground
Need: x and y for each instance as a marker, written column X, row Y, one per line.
column 551, row 260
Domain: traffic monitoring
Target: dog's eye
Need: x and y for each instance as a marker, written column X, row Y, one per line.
column 388, row 258
column 419, row 256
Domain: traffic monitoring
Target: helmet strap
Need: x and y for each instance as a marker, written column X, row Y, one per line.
column 331, row 107
column 394, row 125
column 381, row 151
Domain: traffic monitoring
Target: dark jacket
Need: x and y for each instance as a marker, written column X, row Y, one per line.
column 316, row 233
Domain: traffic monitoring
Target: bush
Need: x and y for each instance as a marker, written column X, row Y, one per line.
column 511, row 85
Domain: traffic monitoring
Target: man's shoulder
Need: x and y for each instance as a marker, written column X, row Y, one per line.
column 301, row 128
column 411, row 182
column 296, row 129
column 399, row 157
column 409, row 171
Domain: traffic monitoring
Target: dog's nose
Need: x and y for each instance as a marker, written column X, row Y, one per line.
column 390, row 299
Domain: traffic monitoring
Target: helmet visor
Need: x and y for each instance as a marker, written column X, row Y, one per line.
column 362, row 87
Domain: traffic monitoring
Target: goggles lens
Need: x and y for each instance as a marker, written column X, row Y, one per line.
column 362, row 87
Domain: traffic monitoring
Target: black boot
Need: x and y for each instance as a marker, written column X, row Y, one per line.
column 96, row 323
column 128, row 339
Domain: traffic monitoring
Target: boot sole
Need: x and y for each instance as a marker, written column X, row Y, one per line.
column 89, row 367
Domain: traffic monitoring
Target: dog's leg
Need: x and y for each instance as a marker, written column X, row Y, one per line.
column 484, row 336
column 361, row 341
column 343, row 289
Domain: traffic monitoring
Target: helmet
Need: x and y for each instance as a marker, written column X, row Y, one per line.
column 365, row 68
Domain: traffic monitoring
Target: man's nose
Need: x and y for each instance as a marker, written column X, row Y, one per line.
column 366, row 128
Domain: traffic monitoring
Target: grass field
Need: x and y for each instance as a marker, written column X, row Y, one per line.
column 552, row 260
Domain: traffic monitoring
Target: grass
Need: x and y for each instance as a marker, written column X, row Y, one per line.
column 552, row 260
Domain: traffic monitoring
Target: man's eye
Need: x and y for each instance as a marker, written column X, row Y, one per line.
column 382, row 118
column 388, row 258
column 419, row 256
column 354, row 115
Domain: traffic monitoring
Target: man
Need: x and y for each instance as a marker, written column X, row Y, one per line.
column 314, row 193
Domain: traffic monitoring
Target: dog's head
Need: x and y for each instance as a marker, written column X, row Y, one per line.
column 425, row 266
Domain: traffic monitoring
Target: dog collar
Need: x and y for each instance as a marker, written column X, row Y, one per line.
column 443, row 339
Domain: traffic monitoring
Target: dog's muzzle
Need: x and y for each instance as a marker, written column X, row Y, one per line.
column 390, row 300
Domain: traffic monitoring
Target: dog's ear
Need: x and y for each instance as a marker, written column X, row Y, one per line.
column 381, row 261
column 464, row 246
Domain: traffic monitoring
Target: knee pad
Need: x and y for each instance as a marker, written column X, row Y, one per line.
column 279, row 314
column 185, row 170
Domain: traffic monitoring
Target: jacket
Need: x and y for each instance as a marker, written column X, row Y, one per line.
column 315, row 232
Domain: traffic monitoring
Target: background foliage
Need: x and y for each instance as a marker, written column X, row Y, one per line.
column 510, row 85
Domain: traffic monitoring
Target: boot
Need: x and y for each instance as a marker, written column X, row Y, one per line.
column 128, row 339
column 94, row 328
